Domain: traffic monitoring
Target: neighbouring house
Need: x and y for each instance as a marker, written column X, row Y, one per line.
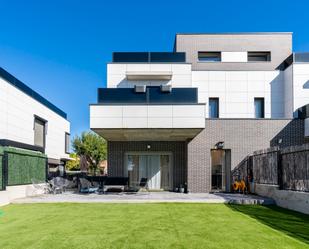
column 188, row 117
column 34, row 134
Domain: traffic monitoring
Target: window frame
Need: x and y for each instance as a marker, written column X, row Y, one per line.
column 267, row 53
column 45, row 122
column 262, row 107
column 209, row 52
column 67, row 149
column 218, row 104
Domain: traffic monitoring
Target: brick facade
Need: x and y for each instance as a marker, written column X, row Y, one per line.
column 192, row 162
column 117, row 150
column 242, row 137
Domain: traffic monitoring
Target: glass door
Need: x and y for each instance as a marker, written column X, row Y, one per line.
column 155, row 167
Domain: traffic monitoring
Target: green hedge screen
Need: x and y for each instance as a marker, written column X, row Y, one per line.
column 25, row 165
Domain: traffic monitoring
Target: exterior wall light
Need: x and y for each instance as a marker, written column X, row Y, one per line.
column 148, row 146
column 219, row 145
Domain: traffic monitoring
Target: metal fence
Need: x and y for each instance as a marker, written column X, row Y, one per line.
column 288, row 168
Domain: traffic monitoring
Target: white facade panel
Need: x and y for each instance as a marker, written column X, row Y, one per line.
column 172, row 116
column 17, row 119
column 116, row 74
column 300, row 85
column 234, row 56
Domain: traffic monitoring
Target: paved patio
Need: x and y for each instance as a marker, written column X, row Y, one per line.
column 147, row 197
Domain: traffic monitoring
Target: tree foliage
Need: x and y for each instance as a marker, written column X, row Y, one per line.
column 73, row 164
column 92, row 146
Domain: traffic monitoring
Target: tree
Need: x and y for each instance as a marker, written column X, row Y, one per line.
column 73, row 164
column 93, row 147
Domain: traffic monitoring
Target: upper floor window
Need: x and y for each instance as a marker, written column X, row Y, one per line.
column 213, row 107
column 259, row 108
column 209, row 56
column 258, row 56
column 39, row 131
column 67, row 143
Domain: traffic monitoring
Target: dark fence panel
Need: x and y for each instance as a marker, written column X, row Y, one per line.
column 295, row 170
column 288, row 168
column 1, row 169
column 265, row 167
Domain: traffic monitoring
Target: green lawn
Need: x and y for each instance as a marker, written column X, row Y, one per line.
column 151, row 226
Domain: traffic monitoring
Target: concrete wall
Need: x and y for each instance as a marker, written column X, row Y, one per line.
column 14, row 192
column 298, row 201
column 242, row 136
column 17, row 112
column 279, row 44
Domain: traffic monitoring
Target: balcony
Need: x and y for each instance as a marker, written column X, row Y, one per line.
column 149, row 57
column 152, row 95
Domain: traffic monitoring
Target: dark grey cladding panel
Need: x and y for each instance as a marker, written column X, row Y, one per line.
column 301, row 57
column 145, row 57
column 153, row 95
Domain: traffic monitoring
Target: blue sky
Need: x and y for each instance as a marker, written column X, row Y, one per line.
column 60, row 48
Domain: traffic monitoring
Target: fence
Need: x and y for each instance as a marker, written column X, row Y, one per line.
column 288, row 168
column 20, row 166
column 1, row 169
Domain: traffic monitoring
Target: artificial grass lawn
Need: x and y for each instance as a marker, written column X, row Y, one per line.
column 70, row 225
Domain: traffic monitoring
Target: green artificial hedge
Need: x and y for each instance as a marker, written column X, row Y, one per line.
column 24, row 165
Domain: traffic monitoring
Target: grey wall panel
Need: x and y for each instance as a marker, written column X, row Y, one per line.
column 280, row 46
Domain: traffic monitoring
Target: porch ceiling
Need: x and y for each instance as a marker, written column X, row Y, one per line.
column 148, row 134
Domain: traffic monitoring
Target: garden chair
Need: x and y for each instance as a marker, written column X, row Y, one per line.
column 85, row 186
column 143, row 185
column 40, row 187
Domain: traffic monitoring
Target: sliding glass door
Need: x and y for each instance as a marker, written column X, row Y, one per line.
column 155, row 167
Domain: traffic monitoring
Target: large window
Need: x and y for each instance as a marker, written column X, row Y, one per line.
column 39, row 132
column 213, row 107
column 209, row 56
column 67, row 143
column 258, row 56
column 259, row 107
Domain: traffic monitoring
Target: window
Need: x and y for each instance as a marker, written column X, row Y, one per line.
column 209, row 56
column 259, row 107
column 258, row 56
column 39, row 132
column 213, row 107
column 67, row 143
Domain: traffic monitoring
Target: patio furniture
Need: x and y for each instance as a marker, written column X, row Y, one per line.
column 115, row 184
column 143, row 185
column 40, row 187
column 85, row 186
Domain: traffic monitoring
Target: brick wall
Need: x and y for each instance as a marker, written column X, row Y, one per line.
column 242, row 137
column 117, row 150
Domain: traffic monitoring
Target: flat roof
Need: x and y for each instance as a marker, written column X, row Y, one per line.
column 31, row 93
column 236, row 33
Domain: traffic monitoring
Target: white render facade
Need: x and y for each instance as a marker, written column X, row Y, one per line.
column 249, row 76
column 19, row 107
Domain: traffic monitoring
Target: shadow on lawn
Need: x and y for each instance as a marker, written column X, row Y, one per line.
column 289, row 222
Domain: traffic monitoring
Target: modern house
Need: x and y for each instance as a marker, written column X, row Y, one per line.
column 189, row 116
column 30, row 122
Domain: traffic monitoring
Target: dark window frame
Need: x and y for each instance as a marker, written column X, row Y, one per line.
column 67, row 136
column 262, row 108
column 218, row 104
column 214, row 53
column 45, row 122
column 259, row 54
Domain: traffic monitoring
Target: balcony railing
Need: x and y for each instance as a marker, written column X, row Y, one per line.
column 152, row 95
column 149, row 57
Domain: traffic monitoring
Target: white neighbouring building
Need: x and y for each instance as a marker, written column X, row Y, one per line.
column 187, row 117
column 29, row 121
